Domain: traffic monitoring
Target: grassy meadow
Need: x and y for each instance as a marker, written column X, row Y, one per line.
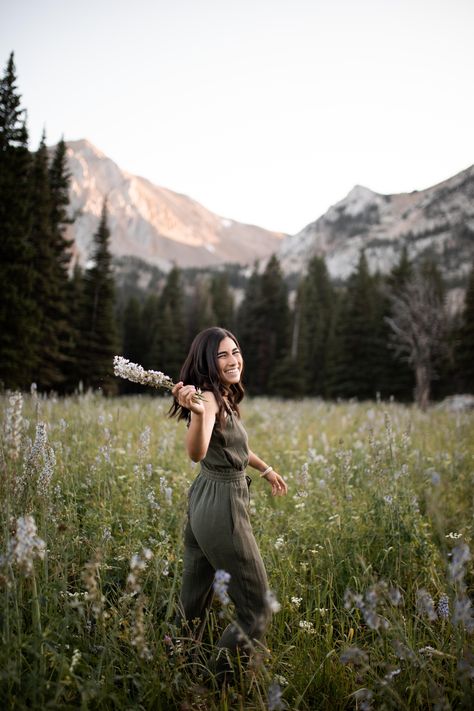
column 368, row 556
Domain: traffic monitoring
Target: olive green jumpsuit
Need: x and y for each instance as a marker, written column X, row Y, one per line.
column 218, row 536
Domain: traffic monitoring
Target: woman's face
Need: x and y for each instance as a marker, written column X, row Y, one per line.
column 229, row 361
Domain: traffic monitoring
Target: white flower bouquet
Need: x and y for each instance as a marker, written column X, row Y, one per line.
column 123, row 368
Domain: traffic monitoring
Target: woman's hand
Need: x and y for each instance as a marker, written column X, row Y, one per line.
column 279, row 487
column 186, row 397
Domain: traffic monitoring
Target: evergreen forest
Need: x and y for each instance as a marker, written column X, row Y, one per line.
column 373, row 337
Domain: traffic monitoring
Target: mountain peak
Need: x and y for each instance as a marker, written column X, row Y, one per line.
column 437, row 221
column 155, row 224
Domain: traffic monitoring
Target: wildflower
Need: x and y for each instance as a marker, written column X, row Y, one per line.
column 13, row 425
column 145, row 438
column 353, row 656
column 152, row 500
column 220, row 585
column 138, row 564
column 274, row 697
column 364, row 699
column 46, row 474
column 106, row 534
column 90, row 578
column 460, row 555
column 367, row 604
column 395, row 596
column 453, row 535
column 463, row 613
column 296, row 601
column 138, row 630
column 307, row 626
column 76, row 658
column 425, row 605
column 428, row 651
column 403, row 652
column 272, row 602
column 391, row 674
column 279, row 543
column 123, row 368
column 25, row 546
column 443, row 607
column 39, row 445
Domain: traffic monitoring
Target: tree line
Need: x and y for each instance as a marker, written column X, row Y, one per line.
column 61, row 325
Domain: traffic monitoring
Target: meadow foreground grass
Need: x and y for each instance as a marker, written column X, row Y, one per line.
column 368, row 556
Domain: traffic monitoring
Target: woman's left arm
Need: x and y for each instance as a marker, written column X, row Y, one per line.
column 279, row 487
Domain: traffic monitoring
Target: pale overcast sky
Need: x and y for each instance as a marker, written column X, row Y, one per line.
column 265, row 111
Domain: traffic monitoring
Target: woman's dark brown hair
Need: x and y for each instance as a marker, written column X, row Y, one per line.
column 200, row 369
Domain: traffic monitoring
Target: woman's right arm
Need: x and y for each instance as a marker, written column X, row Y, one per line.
column 203, row 417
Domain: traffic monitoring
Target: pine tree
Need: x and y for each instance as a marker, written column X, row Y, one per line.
column 361, row 348
column 314, row 306
column 150, row 318
column 222, row 301
column 99, row 338
column 17, row 308
column 132, row 339
column 249, row 324
column 169, row 348
column 49, row 296
column 465, row 350
column 201, row 312
column 264, row 326
column 59, row 181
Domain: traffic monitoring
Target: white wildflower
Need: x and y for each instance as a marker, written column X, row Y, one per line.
column 13, row 425
column 279, row 543
column 275, row 701
column 138, row 630
column 123, row 368
column 25, row 546
column 138, row 564
column 272, row 602
column 76, row 658
column 307, row 626
column 220, row 585
column 425, row 605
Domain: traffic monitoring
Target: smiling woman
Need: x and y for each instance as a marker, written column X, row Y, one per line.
column 218, row 537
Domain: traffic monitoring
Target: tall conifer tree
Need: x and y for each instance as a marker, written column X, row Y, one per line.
column 465, row 350
column 49, row 296
column 222, row 301
column 249, row 324
column 314, row 306
column 99, row 337
column 17, row 308
column 358, row 372
column 264, row 329
column 169, row 347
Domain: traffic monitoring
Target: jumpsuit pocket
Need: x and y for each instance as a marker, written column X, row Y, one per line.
column 249, row 481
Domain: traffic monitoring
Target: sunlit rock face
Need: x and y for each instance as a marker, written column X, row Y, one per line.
column 152, row 223
column 438, row 220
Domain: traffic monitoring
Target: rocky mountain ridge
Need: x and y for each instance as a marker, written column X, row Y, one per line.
column 152, row 223
column 438, row 220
